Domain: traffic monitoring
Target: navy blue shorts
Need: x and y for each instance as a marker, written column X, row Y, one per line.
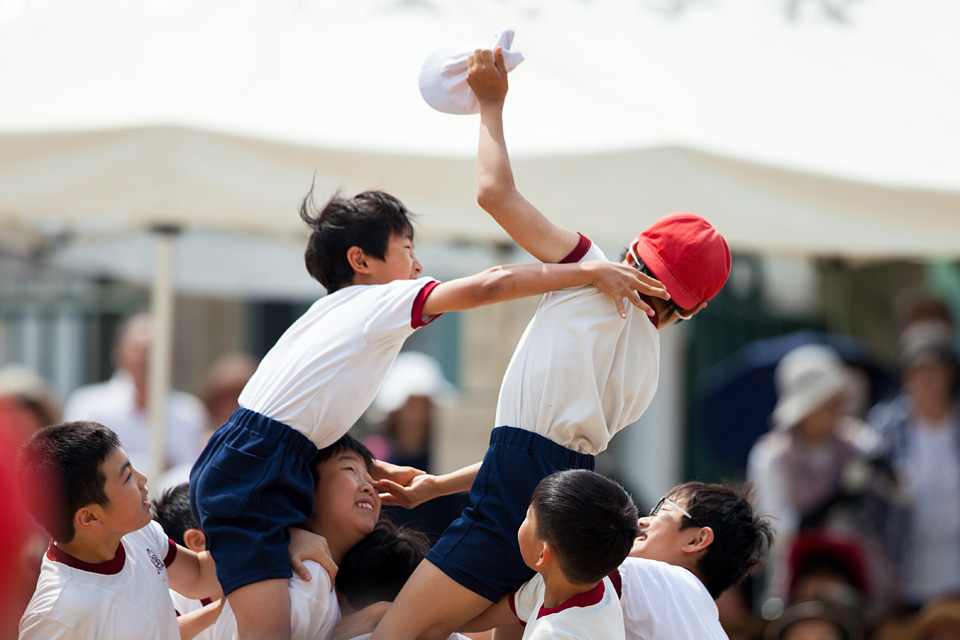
column 479, row 550
column 253, row 480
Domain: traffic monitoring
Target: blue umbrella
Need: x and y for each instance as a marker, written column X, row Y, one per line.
column 738, row 393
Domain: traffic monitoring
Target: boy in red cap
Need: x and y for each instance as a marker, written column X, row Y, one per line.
column 580, row 374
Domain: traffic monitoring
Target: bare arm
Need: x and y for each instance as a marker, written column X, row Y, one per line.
column 496, row 615
column 496, row 191
column 193, row 574
column 193, row 623
column 510, row 282
column 427, row 487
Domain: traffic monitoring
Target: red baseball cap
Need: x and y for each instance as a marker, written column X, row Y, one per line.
column 686, row 254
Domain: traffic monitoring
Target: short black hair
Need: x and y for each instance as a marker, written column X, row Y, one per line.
column 172, row 511
column 377, row 567
column 367, row 220
column 59, row 470
column 741, row 536
column 588, row 519
column 345, row 443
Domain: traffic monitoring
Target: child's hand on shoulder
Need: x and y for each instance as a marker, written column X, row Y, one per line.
column 487, row 75
column 620, row 281
column 306, row 545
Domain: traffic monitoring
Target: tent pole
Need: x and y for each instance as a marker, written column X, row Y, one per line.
column 161, row 351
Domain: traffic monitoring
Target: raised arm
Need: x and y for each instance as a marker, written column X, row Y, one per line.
column 511, row 282
column 496, row 191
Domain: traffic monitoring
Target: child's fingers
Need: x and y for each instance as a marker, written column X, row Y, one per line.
column 638, row 302
column 652, row 287
column 498, row 58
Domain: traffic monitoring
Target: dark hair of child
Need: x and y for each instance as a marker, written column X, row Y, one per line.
column 345, row 443
column 367, row 220
column 377, row 567
column 741, row 536
column 588, row 519
column 172, row 511
column 59, row 472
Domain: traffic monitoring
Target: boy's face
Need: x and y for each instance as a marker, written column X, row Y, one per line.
column 660, row 535
column 345, row 503
column 128, row 508
column 399, row 261
column 530, row 544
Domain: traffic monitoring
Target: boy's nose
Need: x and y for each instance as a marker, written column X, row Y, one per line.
column 417, row 267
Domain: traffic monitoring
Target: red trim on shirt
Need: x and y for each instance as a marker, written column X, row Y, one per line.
column 617, row 582
column 513, row 607
column 108, row 568
column 583, row 245
column 585, row 599
column 171, row 553
column 416, row 316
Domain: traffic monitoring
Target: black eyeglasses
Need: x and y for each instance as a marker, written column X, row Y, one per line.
column 656, row 510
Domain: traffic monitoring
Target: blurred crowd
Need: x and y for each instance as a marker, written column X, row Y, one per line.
column 866, row 499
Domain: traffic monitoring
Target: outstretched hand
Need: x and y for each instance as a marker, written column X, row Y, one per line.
column 620, row 281
column 487, row 75
column 420, row 489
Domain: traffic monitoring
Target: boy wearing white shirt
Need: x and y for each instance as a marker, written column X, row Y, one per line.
column 108, row 568
column 579, row 527
column 699, row 540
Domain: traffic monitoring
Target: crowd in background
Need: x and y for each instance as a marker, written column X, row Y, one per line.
column 865, row 498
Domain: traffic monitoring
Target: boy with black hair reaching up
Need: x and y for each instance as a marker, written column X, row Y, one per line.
column 578, row 376
column 254, row 478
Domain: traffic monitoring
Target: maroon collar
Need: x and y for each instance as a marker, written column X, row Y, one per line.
column 655, row 318
column 585, row 599
column 108, row 568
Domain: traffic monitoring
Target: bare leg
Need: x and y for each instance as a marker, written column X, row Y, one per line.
column 508, row 632
column 262, row 610
column 430, row 606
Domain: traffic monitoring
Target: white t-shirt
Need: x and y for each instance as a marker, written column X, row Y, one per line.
column 326, row 368
column 127, row 597
column 113, row 404
column 661, row 601
column 314, row 611
column 581, row 373
column 184, row 605
column 594, row 614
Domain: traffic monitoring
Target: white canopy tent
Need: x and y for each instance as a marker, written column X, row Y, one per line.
column 817, row 127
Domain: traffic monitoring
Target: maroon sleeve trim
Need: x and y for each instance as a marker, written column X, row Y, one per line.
column 416, row 316
column 171, row 553
column 617, row 582
column 513, row 606
column 583, row 245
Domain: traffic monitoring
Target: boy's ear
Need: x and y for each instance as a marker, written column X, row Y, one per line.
column 358, row 260
column 547, row 554
column 89, row 518
column 194, row 540
column 699, row 540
